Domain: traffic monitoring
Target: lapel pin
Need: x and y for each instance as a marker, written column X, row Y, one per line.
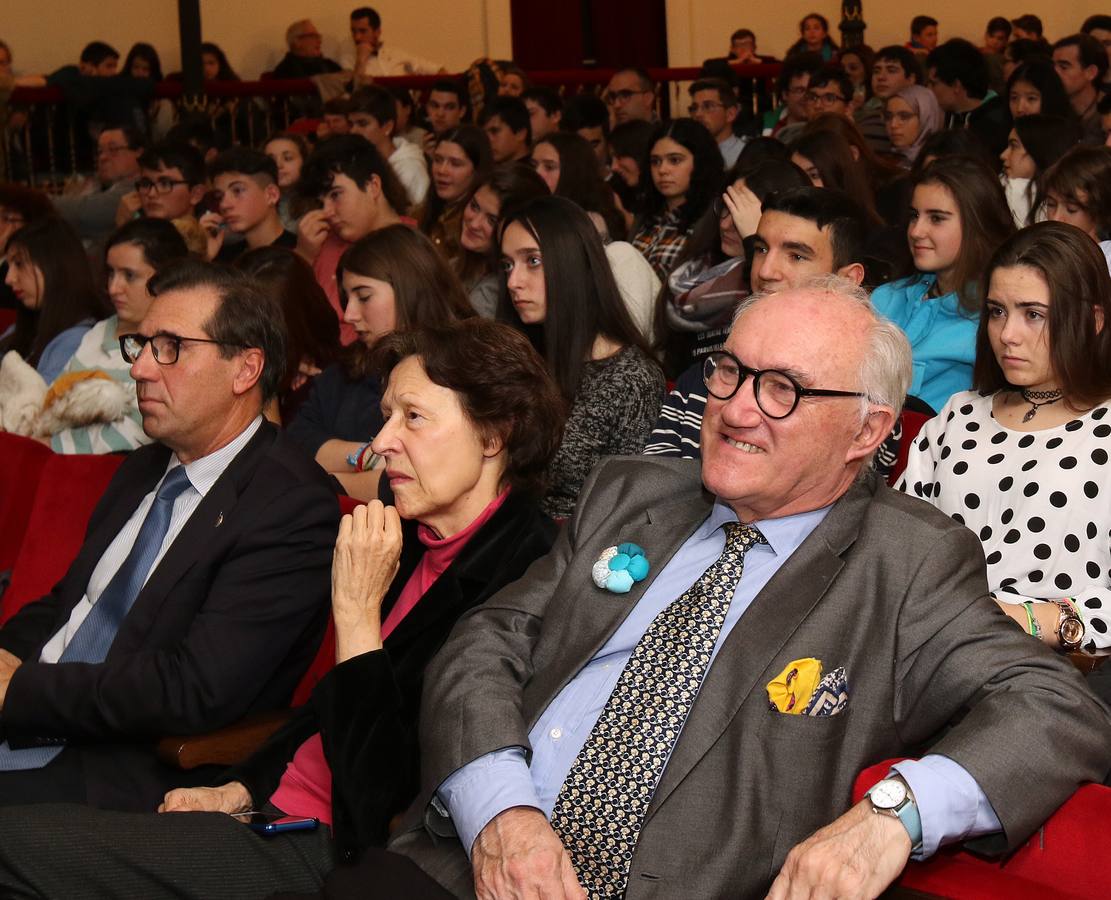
column 219, row 520
column 618, row 568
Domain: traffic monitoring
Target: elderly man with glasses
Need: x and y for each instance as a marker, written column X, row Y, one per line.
column 92, row 211
column 677, row 700
column 202, row 589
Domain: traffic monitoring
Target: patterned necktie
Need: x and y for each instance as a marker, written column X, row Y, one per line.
column 94, row 636
column 601, row 806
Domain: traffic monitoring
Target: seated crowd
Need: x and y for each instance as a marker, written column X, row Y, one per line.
column 624, row 410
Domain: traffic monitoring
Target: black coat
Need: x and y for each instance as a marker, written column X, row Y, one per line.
column 366, row 708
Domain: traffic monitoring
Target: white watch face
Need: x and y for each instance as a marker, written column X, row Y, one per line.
column 888, row 794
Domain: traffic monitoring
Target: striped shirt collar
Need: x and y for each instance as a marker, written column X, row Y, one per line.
column 204, row 472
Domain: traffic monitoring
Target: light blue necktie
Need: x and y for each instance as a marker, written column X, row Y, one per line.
column 93, row 638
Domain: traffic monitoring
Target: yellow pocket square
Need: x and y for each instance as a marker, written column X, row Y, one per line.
column 792, row 688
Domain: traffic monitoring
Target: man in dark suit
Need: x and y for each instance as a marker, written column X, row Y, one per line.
column 664, row 742
column 201, row 591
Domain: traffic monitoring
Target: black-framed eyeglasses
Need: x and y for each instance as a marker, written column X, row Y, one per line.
column 165, row 347
column 706, row 106
column 612, row 98
column 161, row 185
column 777, row 393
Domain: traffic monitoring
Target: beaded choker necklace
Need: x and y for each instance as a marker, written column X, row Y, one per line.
column 1033, row 398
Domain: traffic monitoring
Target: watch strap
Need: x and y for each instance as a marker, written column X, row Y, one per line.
column 906, row 812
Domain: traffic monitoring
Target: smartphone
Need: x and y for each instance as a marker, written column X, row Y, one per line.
column 274, row 824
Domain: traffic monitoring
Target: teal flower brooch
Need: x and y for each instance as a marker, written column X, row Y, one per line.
column 620, row 567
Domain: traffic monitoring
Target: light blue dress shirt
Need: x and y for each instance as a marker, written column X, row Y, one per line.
column 952, row 805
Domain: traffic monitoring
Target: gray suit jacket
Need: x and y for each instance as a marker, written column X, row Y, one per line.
column 885, row 586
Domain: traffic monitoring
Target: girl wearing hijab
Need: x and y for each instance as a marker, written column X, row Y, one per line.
column 910, row 116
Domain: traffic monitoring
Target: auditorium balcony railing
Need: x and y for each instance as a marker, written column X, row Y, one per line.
column 46, row 139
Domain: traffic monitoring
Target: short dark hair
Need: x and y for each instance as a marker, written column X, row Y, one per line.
column 132, row 136
column 960, row 60
column 724, row 91
column 96, row 52
column 843, row 82
column 998, row 24
column 337, row 106
column 985, row 218
column 1076, row 272
column 647, row 82
column 171, row 155
column 159, row 240
column 1089, row 51
column 761, row 148
column 503, row 385
column 512, row 111
column 357, row 158
column 245, row 161
column 547, row 98
column 827, row 208
column 1082, row 177
column 952, row 142
column 633, row 138
column 245, row 316
column 1103, row 23
column 920, row 23
column 375, row 101
column 1030, row 23
column 905, row 58
column 585, row 111
column 804, row 63
column 368, row 13
column 30, row 203
column 451, row 86
column 742, row 33
column 194, row 130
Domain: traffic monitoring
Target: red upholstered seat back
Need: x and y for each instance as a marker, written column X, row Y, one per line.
column 326, row 655
column 21, row 464
column 68, row 490
column 1055, row 862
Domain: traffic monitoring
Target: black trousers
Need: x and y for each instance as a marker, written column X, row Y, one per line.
column 63, row 850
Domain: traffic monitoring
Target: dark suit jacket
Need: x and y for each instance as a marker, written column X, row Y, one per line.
column 885, row 586
column 366, row 707
column 225, row 625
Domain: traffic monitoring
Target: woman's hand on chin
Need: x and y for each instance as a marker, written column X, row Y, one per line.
column 364, row 564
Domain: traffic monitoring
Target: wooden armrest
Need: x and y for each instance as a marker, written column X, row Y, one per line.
column 1086, row 662
column 225, row 747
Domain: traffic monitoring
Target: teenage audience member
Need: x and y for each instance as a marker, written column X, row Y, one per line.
column 814, row 38
column 460, row 159
column 829, row 92
column 372, row 113
column 50, row 276
column 305, row 57
column 289, row 152
column 786, row 120
column 911, row 116
column 391, row 280
column 142, row 62
column 473, row 420
column 358, row 194
column 958, row 76
column 545, row 110
column 628, row 146
column 227, row 117
column 1077, row 190
column 714, row 105
column 893, row 69
column 923, row 34
column 445, row 110
column 1027, row 27
column 92, row 211
column 512, row 80
column 566, row 163
column 407, row 125
column 560, row 290
column 996, row 35
column 686, row 175
column 587, row 116
column 170, row 185
column 479, row 267
column 1032, row 477
column 801, row 232
column 235, row 607
column 1035, row 87
column 245, row 185
column 1035, row 143
column 312, row 332
column 1081, row 64
column 631, row 94
column 1099, row 27
column 333, row 119
column 506, row 123
column 1022, row 50
column 133, row 254
column 828, row 160
column 857, row 63
column 373, row 58
column 19, row 206
column 958, row 217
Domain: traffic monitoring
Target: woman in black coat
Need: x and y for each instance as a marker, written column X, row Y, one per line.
column 471, row 421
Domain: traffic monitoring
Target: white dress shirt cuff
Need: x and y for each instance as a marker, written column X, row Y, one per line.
column 950, row 802
column 481, row 789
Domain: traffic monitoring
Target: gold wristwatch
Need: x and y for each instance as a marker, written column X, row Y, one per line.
column 1070, row 627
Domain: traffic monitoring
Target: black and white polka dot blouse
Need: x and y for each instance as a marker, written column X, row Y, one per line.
column 1040, row 502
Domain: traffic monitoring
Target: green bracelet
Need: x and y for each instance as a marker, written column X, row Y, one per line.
column 1035, row 629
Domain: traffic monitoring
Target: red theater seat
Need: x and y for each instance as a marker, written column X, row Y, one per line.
column 21, row 463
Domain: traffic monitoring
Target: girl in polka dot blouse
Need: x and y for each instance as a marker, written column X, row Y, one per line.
column 1024, row 460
